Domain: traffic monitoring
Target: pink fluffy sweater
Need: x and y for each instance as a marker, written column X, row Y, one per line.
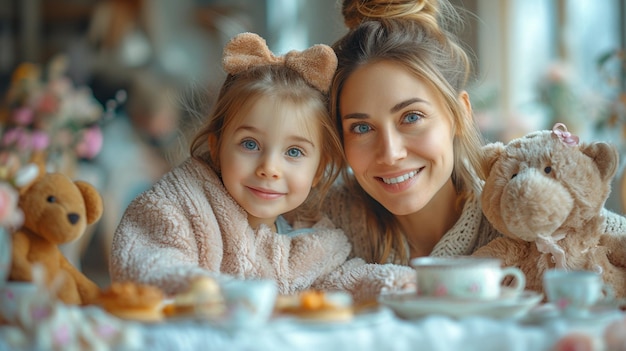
column 187, row 225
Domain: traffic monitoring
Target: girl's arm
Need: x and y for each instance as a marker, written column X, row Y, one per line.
column 365, row 281
column 297, row 262
column 155, row 244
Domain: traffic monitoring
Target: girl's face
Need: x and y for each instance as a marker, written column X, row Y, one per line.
column 270, row 157
column 397, row 136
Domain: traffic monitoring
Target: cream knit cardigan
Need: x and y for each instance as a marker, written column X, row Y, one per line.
column 187, row 225
column 470, row 232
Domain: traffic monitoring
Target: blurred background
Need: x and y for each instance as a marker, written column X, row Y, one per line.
column 150, row 68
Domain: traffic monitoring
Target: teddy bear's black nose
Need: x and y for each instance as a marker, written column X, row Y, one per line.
column 73, row 218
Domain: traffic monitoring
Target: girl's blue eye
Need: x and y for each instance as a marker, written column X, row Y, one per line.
column 361, row 128
column 294, row 152
column 412, row 117
column 250, row 145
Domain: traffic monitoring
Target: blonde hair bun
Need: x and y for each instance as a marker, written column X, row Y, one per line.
column 357, row 11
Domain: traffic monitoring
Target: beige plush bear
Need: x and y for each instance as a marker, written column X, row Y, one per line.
column 545, row 193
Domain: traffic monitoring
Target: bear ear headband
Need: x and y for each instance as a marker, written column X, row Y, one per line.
column 316, row 64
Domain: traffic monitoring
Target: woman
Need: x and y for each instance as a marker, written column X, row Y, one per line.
column 412, row 146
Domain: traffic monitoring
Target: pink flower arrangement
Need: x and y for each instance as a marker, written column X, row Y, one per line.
column 46, row 114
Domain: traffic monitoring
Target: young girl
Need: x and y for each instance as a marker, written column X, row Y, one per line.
column 269, row 141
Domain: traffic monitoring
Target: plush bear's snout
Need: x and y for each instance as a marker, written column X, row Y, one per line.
column 73, row 218
column 534, row 204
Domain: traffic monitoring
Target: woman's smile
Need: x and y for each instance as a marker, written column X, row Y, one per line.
column 400, row 179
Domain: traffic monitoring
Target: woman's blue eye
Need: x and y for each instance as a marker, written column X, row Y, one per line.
column 361, row 128
column 294, row 152
column 412, row 117
column 250, row 145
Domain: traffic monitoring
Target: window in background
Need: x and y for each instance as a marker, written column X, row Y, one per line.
column 590, row 31
column 538, row 64
column 298, row 24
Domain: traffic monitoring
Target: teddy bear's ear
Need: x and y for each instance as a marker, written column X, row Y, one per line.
column 93, row 201
column 490, row 153
column 605, row 156
column 28, row 174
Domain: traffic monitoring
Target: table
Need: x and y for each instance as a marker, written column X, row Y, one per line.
column 386, row 332
column 376, row 330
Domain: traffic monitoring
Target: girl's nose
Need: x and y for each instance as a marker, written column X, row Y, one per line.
column 269, row 167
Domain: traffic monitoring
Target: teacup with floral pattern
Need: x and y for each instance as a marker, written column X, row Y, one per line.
column 465, row 277
column 574, row 292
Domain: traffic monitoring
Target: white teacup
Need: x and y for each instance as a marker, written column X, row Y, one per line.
column 575, row 292
column 465, row 277
column 249, row 303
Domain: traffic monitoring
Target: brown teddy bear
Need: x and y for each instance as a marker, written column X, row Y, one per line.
column 545, row 193
column 56, row 210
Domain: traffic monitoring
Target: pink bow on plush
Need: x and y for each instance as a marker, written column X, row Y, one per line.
column 560, row 130
column 549, row 244
column 316, row 64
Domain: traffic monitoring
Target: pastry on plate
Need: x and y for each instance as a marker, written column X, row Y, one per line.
column 316, row 305
column 133, row 301
column 203, row 298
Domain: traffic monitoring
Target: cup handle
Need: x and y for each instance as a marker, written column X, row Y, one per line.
column 520, row 278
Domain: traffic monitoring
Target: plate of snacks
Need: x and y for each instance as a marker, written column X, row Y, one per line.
column 230, row 304
column 314, row 308
column 133, row 301
column 203, row 300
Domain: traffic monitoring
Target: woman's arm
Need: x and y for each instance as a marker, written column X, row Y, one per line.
column 614, row 224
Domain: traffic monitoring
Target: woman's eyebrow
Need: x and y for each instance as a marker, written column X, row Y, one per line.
column 399, row 106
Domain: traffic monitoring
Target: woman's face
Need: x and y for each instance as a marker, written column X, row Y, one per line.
column 397, row 136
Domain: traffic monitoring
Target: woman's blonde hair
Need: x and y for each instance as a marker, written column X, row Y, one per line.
column 241, row 91
column 412, row 34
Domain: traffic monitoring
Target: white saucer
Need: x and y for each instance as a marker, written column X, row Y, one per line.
column 410, row 305
column 548, row 312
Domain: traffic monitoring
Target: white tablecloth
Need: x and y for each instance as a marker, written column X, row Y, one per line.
column 376, row 331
